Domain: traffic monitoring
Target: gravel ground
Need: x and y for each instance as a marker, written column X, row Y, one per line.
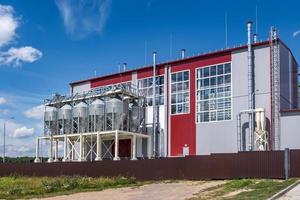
column 171, row 191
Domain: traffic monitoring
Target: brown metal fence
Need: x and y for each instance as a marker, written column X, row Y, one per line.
column 294, row 163
column 215, row 166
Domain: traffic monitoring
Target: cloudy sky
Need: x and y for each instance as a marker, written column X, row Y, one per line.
column 44, row 45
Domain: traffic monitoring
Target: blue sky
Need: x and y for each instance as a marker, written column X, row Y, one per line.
column 44, row 45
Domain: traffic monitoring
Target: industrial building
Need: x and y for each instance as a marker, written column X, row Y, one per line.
column 243, row 98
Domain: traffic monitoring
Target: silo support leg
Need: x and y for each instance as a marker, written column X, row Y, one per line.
column 65, row 149
column 117, row 146
column 99, row 147
column 81, row 149
column 50, row 159
column 37, row 150
column 56, row 151
column 149, row 151
column 133, row 147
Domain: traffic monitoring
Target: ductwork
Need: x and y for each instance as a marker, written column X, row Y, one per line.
column 250, row 85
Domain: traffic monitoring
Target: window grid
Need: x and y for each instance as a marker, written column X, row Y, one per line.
column 146, row 89
column 180, row 93
column 214, row 99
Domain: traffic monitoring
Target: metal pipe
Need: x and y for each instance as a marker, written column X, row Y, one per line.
column 124, row 66
column 255, row 38
column 239, row 134
column 154, row 103
column 183, row 53
column 250, row 84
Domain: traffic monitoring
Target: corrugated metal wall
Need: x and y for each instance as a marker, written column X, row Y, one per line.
column 216, row 166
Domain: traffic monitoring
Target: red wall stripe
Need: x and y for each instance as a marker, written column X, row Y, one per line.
column 148, row 72
column 109, row 80
column 183, row 126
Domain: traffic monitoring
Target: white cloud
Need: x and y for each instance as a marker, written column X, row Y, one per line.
column 36, row 112
column 18, row 150
column 8, row 24
column 23, row 132
column 296, row 33
column 2, row 100
column 84, row 17
column 16, row 56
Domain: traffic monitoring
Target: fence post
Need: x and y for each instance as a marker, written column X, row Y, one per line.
column 286, row 163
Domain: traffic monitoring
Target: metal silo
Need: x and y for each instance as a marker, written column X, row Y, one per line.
column 96, row 116
column 80, row 118
column 116, row 114
column 65, row 119
column 136, row 117
column 50, row 120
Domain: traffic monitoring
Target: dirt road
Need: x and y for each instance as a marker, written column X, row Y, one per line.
column 171, row 191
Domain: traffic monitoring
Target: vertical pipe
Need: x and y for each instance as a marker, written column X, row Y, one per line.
column 250, row 84
column 154, row 103
column 286, row 163
column 239, row 138
column 124, row 66
column 37, row 150
column 65, row 148
column 50, row 159
column 56, row 151
column 134, row 147
column 116, row 157
column 255, row 38
column 183, row 53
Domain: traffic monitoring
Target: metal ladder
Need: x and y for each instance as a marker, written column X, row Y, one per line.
column 275, row 67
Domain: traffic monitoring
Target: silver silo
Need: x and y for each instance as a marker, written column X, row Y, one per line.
column 50, row 120
column 96, row 116
column 65, row 119
column 80, row 118
column 116, row 114
column 136, row 117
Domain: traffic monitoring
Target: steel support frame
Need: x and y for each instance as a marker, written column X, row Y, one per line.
column 74, row 145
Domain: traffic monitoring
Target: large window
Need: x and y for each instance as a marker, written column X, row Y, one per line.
column 180, row 93
column 214, row 98
column 146, row 89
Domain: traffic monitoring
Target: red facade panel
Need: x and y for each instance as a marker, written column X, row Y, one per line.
column 148, row 72
column 109, row 80
column 183, row 126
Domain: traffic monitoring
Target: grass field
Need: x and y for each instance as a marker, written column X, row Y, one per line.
column 256, row 189
column 15, row 187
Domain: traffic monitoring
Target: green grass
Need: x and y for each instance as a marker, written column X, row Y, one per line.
column 256, row 189
column 15, row 187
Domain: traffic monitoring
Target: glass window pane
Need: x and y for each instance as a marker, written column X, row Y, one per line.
column 213, row 81
column 150, row 91
column 173, row 98
column 179, row 87
column 186, row 75
column 173, row 88
column 179, row 108
column 227, row 68
column 186, row 97
column 206, row 82
column 220, row 69
column 161, row 80
column 179, row 98
column 173, row 77
column 150, row 81
column 228, row 78
column 145, row 83
column 179, row 76
column 206, row 117
column 173, row 109
column 213, row 70
column 206, row 72
column 185, row 85
column 220, row 80
column 213, row 116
